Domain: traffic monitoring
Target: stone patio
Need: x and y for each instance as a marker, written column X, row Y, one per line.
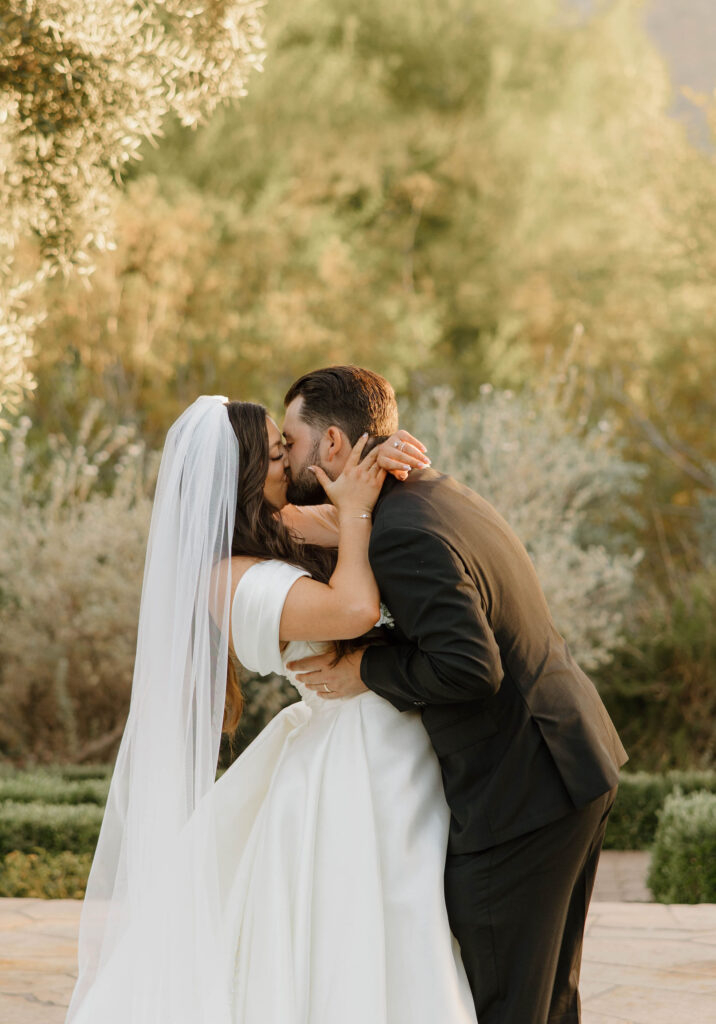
column 644, row 963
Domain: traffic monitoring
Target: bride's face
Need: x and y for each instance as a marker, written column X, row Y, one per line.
column 276, row 479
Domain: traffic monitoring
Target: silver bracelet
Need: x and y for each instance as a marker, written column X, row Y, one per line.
column 363, row 515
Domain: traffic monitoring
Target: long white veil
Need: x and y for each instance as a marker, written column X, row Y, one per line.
column 150, row 940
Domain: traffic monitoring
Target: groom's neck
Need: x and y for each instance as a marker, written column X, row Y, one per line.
column 371, row 443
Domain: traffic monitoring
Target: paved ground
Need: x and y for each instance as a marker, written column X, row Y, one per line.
column 621, row 878
column 644, row 963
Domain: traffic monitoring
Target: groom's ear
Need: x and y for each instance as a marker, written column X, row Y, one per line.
column 336, row 444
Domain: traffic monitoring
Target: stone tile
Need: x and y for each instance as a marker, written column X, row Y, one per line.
column 695, row 917
column 648, row 952
column 621, row 877
column 633, row 915
column 643, row 963
column 592, row 1017
column 599, row 978
column 20, row 1009
column 650, row 1006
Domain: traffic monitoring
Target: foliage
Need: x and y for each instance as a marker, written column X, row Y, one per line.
column 660, row 686
column 202, row 297
column 566, row 495
column 499, row 172
column 72, row 539
column 634, row 817
column 50, row 788
column 45, row 875
column 51, row 827
column 81, row 85
column 67, row 772
column 17, row 325
column 439, row 191
column 683, row 866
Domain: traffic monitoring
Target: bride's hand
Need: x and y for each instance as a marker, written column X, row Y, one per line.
column 400, row 453
column 355, row 491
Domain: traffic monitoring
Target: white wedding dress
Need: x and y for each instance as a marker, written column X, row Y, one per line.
column 331, row 836
column 334, row 832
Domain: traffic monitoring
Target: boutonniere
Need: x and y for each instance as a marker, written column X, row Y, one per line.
column 386, row 619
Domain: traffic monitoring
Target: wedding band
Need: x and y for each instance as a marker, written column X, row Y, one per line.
column 325, row 687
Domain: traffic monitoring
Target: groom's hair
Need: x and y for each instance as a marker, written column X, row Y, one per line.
column 349, row 397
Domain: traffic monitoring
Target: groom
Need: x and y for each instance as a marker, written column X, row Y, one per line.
column 529, row 755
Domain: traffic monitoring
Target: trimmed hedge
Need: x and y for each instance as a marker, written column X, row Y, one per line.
column 28, row 827
column 634, row 818
column 57, row 876
column 60, row 808
column 50, row 788
column 70, row 772
column 683, row 861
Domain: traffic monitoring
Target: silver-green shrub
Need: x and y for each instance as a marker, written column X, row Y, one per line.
column 72, row 540
column 683, row 861
column 564, row 490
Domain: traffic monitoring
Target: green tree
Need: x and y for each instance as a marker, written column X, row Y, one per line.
column 443, row 190
column 82, row 84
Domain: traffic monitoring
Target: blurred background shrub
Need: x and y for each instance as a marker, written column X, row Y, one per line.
column 43, row 875
column 683, row 865
column 72, row 538
column 634, row 817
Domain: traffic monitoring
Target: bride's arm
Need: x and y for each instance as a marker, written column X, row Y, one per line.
column 313, row 524
column 345, row 607
column 349, row 604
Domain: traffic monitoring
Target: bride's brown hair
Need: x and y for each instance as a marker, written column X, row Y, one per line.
column 258, row 530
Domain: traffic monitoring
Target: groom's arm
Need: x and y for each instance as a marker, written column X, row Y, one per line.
column 451, row 653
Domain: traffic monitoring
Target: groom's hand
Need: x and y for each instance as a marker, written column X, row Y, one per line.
column 330, row 681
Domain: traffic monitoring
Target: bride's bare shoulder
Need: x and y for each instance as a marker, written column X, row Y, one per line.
column 227, row 572
column 239, row 565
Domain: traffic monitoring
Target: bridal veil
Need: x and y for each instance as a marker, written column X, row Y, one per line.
column 150, row 927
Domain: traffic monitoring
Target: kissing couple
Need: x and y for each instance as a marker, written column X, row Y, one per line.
column 415, row 840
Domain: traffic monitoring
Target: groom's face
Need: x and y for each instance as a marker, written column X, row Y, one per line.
column 303, row 444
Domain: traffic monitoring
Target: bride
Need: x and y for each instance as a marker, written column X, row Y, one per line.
column 305, row 886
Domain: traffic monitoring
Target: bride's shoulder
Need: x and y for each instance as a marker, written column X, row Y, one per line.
column 240, row 564
column 270, row 571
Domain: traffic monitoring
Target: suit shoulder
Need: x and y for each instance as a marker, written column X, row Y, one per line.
column 423, row 494
column 436, row 503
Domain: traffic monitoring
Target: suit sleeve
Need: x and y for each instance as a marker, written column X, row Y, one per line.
column 451, row 653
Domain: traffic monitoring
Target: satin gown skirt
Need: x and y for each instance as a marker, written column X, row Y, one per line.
column 332, row 837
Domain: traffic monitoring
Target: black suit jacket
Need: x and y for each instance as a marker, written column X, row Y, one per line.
column 520, row 731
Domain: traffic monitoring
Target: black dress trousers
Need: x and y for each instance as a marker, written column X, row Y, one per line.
column 518, row 911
